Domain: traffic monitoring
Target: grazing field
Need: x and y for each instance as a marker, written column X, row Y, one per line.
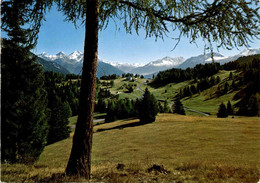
column 191, row 149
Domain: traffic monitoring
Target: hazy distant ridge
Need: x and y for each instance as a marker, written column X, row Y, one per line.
column 73, row 63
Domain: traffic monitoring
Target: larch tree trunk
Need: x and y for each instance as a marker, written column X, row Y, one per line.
column 80, row 158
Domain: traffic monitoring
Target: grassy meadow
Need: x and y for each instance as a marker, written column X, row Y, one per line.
column 191, row 149
column 206, row 101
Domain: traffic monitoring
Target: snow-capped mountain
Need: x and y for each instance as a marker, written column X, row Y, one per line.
column 76, row 55
column 158, row 65
column 201, row 59
column 247, row 52
column 73, row 63
column 52, row 66
column 126, row 67
column 167, row 61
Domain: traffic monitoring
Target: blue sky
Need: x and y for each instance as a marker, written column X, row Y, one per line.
column 116, row 46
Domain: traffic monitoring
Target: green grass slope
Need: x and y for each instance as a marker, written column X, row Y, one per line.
column 206, row 101
column 191, row 149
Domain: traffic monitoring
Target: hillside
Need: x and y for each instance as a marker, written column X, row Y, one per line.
column 73, row 63
column 191, row 149
column 203, row 102
column 52, row 66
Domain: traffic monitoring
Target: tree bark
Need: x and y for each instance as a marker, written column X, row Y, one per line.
column 80, row 158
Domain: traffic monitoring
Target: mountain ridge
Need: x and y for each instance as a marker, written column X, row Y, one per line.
column 73, row 62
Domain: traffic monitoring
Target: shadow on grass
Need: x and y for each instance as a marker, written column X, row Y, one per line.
column 100, row 116
column 122, row 126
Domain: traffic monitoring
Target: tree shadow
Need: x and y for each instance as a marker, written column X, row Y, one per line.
column 100, row 116
column 120, row 127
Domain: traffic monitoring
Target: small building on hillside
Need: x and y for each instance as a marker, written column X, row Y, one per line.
column 129, row 78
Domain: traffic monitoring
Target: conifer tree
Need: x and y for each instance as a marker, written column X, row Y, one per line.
column 161, row 109
column 129, row 107
column 24, row 127
column 253, row 106
column 166, row 107
column 58, row 122
column 100, row 106
column 218, row 80
column 111, row 112
column 67, row 109
column 230, row 76
column 148, row 108
column 229, row 108
column 178, row 107
column 222, row 111
column 226, row 88
column 24, row 104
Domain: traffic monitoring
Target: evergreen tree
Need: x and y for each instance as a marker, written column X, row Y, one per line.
column 222, row 111
column 230, row 76
column 112, row 83
column 111, row 112
column 178, row 107
column 24, row 102
column 166, row 108
column 229, row 108
column 253, row 106
column 218, row 80
column 100, row 106
column 58, row 122
column 226, row 88
column 161, row 109
column 129, row 107
column 122, row 109
column 67, row 109
column 148, row 108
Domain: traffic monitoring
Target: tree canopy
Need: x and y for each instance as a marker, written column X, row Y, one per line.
column 227, row 23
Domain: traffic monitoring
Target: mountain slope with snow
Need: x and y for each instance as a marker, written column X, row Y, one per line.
column 241, row 54
column 158, row 65
column 52, row 66
column 201, row 59
column 73, row 63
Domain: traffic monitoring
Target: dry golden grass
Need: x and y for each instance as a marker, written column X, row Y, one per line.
column 192, row 149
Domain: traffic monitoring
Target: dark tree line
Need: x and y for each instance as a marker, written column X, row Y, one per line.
column 109, row 77
column 179, row 75
column 120, row 109
column 145, row 109
column 72, row 76
column 200, row 85
column 66, row 90
column 247, row 83
column 224, row 110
